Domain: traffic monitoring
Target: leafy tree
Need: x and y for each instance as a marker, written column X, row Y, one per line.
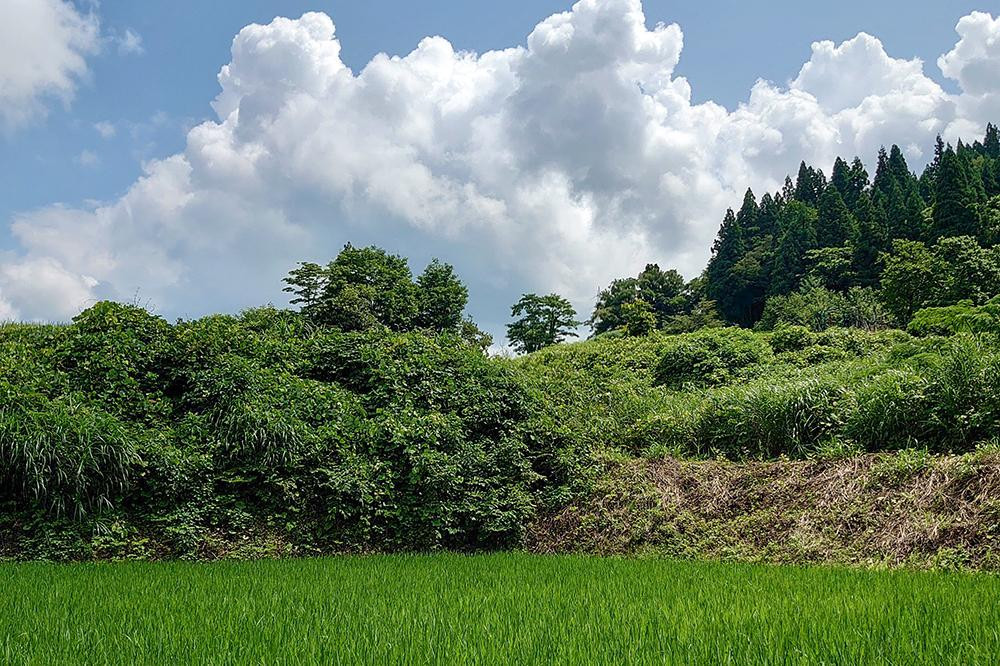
column 475, row 336
column 441, row 298
column 639, row 318
column 833, row 267
column 543, row 321
column 360, row 289
column 971, row 271
column 911, row 279
column 663, row 291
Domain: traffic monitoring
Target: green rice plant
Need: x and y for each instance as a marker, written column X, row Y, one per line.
column 495, row 609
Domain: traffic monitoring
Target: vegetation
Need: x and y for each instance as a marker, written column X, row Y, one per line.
column 544, row 321
column 492, row 609
column 845, row 251
column 837, row 320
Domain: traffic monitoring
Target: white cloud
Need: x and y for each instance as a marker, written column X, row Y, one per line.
column 130, row 43
column 43, row 49
column 553, row 166
column 88, row 158
column 975, row 64
column 43, row 290
column 106, row 129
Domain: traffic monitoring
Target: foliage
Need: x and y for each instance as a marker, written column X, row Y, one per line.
column 712, row 356
column 363, row 288
column 194, row 433
column 963, row 317
column 543, row 321
column 925, row 241
column 495, row 609
column 819, row 308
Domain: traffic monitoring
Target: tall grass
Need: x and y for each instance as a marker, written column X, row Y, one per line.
column 492, row 610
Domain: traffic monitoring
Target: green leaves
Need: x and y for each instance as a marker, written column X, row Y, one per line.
column 543, row 321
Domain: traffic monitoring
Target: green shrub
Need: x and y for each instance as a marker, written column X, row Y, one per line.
column 791, row 338
column 765, row 418
column 963, row 317
column 712, row 356
column 887, row 411
column 61, row 454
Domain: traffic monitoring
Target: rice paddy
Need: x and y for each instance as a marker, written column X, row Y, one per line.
column 507, row 608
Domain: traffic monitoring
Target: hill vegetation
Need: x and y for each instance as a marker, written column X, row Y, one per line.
column 838, row 321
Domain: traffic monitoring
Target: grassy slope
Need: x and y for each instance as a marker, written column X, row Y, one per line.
column 658, row 487
column 492, row 609
column 875, row 510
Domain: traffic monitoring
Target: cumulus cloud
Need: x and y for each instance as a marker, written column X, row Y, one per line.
column 43, row 49
column 552, row 166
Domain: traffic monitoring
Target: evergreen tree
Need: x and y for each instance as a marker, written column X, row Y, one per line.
column 873, row 240
column 728, row 248
column 809, row 185
column 928, row 178
column 836, row 226
column 798, row 223
column 746, row 218
column 991, row 144
column 955, row 212
column 767, row 216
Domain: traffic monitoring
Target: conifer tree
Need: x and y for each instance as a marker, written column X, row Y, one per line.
column 836, row 226
column 809, row 185
column 798, row 223
column 991, row 144
column 873, row 240
column 955, row 211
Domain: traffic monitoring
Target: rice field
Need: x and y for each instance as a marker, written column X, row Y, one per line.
column 493, row 609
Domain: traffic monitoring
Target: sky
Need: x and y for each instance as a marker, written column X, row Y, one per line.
column 186, row 154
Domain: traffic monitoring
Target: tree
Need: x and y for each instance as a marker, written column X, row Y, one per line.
column 307, row 284
column 543, row 321
column 663, row 291
column 809, row 185
column 911, row 279
column 991, row 144
column 972, row 272
column 798, row 222
column 361, row 288
column 836, row 226
column 441, row 298
column 725, row 287
column 955, row 212
column 639, row 318
column 832, row 267
column 873, row 240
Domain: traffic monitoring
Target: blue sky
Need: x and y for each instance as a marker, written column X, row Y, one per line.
column 57, row 167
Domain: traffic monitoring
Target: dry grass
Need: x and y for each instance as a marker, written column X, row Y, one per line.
column 902, row 509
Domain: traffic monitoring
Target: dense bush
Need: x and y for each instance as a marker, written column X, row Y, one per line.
column 712, row 356
column 963, row 317
column 261, row 432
